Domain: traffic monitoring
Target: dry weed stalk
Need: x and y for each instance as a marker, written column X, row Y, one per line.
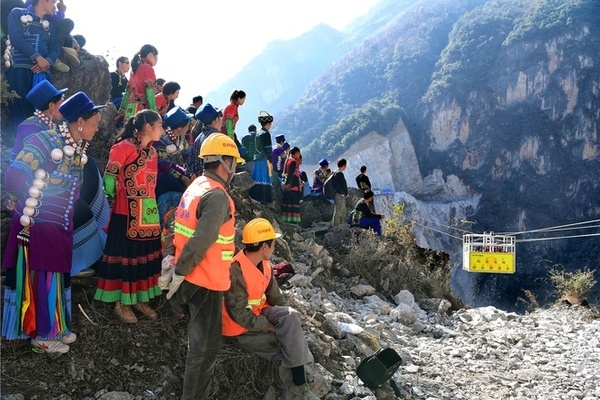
column 531, row 303
column 240, row 374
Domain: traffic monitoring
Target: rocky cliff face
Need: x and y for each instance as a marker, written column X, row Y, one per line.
column 527, row 142
column 391, row 159
column 502, row 114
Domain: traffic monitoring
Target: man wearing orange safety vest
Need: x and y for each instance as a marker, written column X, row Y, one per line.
column 255, row 315
column 204, row 232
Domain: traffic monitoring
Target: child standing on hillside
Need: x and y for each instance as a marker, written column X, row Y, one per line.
column 141, row 90
column 165, row 101
column 129, row 270
column 230, row 112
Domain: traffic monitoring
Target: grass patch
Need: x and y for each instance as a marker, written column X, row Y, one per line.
column 575, row 284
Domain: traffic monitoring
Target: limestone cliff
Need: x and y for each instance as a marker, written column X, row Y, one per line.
column 525, row 137
column 502, row 115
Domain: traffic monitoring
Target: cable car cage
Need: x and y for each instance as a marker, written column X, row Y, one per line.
column 489, row 252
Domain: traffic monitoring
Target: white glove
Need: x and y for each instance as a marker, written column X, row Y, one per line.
column 166, row 272
column 174, row 285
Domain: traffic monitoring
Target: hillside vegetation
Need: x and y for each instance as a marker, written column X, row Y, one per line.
column 431, row 48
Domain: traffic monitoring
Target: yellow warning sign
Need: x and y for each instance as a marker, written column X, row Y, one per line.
column 503, row 263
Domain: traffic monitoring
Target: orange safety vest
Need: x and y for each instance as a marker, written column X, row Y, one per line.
column 256, row 285
column 212, row 272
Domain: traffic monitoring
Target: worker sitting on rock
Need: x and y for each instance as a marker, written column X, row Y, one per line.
column 255, row 317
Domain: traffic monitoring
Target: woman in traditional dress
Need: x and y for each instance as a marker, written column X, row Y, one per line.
column 320, row 175
column 33, row 47
column 44, row 182
column 129, row 270
column 210, row 118
column 140, row 93
column 91, row 209
column 231, row 117
column 173, row 151
column 292, row 188
column 46, row 100
column 230, row 112
column 262, row 169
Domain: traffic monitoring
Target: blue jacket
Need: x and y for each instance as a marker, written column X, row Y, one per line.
column 31, row 40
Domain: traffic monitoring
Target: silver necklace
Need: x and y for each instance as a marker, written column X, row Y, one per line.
column 177, row 142
column 46, row 120
column 71, row 147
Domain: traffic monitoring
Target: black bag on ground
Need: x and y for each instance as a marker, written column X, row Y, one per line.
column 379, row 367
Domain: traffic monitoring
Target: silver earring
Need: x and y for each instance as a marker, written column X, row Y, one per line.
column 79, row 129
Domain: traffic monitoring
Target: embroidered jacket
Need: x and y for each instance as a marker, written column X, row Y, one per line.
column 129, row 182
column 31, row 40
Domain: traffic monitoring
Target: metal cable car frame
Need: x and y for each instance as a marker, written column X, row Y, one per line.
column 489, row 252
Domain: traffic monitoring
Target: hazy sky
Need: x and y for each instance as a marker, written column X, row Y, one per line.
column 202, row 44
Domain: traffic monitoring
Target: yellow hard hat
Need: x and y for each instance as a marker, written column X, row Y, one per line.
column 219, row 144
column 258, row 230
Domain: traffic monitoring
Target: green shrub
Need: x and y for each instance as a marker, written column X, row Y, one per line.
column 576, row 284
column 6, row 93
column 394, row 262
column 396, row 226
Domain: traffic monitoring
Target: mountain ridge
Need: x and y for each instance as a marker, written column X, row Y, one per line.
column 501, row 97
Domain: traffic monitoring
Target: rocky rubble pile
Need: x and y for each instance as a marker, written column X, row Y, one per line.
column 482, row 353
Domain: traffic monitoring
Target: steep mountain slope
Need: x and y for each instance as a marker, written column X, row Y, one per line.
column 277, row 78
column 501, row 95
column 521, row 127
column 381, row 81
